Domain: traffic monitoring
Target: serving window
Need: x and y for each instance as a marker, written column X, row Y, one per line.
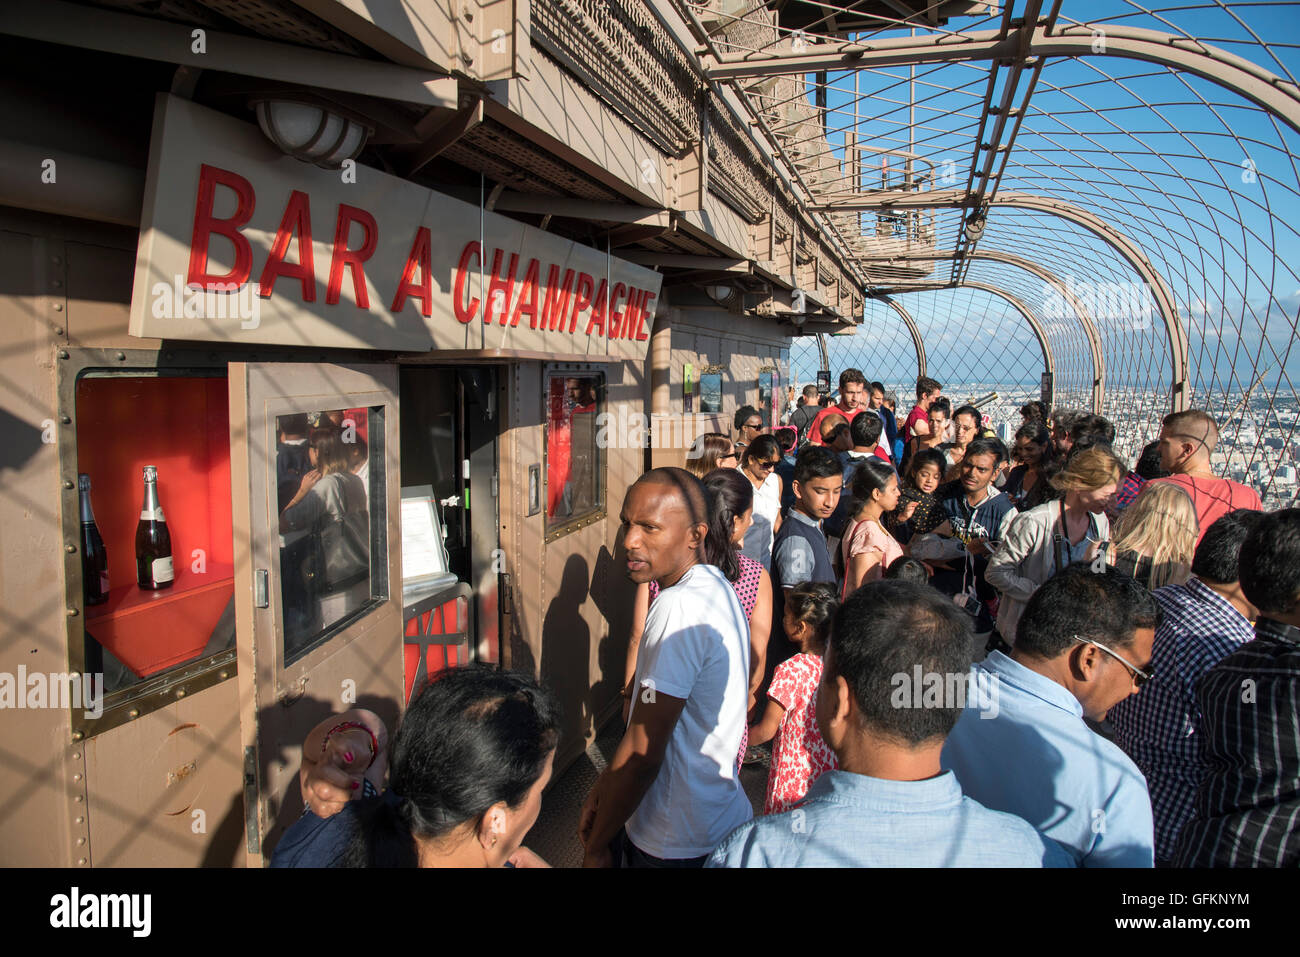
column 575, row 464
column 326, row 463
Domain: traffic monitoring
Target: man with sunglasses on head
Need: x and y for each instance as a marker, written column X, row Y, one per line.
column 1082, row 645
column 1186, row 441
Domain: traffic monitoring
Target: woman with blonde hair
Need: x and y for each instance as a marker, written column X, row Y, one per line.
column 1056, row 534
column 709, row 451
column 1155, row 538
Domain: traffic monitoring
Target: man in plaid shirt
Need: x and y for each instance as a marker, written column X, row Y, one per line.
column 1205, row 620
column 1248, row 805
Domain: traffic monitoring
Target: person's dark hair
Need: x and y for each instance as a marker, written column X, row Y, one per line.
column 852, row 375
column 987, row 446
column 475, row 736
column 295, row 424
column 1035, row 431
column 815, row 603
column 816, row 461
column 1148, row 464
column 729, row 494
column 1104, row 606
column 1089, row 429
column 787, row 437
column 923, row 458
column 1270, row 562
column 833, row 436
column 1033, row 410
column 810, row 390
column 925, row 385
column 908, row 570
column 878, row 387
column 890, row 628
column 1219, row 552
column 941, row 404
column 870, row 475
column 866, row 428
column 745, row 413
column 971, row 411
column 1063, row 419
column 764, row 448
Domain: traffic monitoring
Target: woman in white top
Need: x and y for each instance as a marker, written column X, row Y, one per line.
column 1048, row 538
column 759, row 466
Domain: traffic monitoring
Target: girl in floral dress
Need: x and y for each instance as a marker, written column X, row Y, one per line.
column 799, row 755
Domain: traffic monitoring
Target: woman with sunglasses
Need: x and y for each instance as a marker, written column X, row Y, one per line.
column 758, row 464
column 709, row 451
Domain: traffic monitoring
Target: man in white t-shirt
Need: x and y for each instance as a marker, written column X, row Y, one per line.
column 672, row 786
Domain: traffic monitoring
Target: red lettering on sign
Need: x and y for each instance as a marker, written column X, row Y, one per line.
column 582, row 299
column 465, row 311
column 296, row 221
column 601, row 300
column 528, row 297
column 613, row 323
column 632, row 315
column 641, row 334
column 500, row 288
column 353, row 259
column 418, row 258
column 205, row 224
column 557, row 299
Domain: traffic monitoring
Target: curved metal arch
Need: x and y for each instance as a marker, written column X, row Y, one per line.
column 1046, row 275
column 1132, row 252
column 1127, row 248
column 1049, row 361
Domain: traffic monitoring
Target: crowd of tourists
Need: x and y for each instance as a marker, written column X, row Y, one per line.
column 958, row 655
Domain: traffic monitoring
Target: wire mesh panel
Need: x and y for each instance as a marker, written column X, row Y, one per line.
column 1141, row 158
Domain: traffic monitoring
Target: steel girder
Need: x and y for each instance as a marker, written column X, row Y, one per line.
column 1232, row 72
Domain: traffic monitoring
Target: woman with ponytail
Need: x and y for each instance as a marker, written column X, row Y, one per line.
column 467, row 768
column 868, row 549
column 730, row 498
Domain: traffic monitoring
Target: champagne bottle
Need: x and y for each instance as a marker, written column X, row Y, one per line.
column 153, row 543
column 94, row 557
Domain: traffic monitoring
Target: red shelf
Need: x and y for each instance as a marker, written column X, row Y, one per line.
column 131, row 599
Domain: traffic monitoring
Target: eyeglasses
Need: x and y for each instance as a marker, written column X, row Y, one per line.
column 730, row 455
column 1140, row 677
column 754, row 426
column 765, row 466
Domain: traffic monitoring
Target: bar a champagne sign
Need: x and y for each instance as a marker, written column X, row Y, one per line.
column 239, row 243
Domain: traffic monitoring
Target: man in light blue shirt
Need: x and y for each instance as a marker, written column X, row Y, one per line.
column 893, row 685
column 1083, row 645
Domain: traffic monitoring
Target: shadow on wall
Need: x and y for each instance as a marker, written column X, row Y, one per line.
column 566, row 651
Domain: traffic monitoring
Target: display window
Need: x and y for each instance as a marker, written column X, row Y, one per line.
column 155, row 549
column 575, row 478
